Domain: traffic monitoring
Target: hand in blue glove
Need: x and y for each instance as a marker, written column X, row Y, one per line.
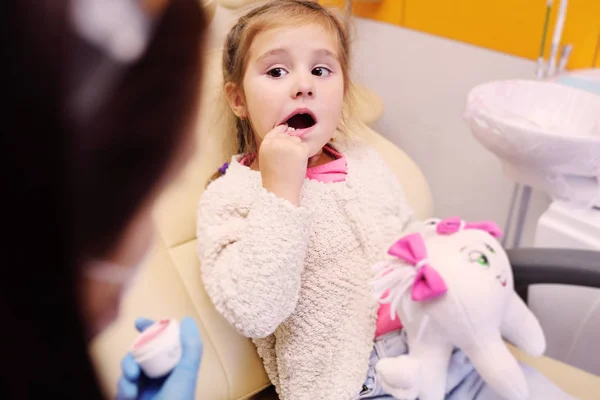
column 179, row 384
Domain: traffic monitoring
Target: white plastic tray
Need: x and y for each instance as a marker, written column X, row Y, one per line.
column 543, row 132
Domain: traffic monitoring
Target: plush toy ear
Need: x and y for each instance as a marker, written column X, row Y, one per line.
column 522, row 328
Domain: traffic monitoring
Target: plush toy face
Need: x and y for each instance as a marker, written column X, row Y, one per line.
column 479, row 279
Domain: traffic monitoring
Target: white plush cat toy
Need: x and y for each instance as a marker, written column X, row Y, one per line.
column 451, row 284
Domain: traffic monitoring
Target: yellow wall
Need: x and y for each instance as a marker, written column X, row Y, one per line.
column 597, row 64
column 510, row 26
column 386, row 11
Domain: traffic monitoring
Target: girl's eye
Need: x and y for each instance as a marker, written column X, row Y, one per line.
column 321, row 71
column 276, row 72
column 479, row 258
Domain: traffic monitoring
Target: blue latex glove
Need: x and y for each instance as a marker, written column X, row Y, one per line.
column 179, row 384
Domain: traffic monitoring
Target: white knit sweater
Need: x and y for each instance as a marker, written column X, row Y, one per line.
column 296, row 279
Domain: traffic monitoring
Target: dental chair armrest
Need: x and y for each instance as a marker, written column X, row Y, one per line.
column 554, row 266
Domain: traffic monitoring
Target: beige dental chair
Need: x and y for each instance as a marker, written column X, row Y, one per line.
column 170, row 285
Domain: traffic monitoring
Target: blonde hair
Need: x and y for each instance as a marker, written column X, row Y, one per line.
column 274, row 14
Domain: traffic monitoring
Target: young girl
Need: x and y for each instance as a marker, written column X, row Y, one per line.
column 288, row 234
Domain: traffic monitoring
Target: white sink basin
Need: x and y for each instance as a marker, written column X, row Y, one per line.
column 547, row 135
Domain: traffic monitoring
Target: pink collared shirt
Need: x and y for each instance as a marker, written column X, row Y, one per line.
column 333, row 171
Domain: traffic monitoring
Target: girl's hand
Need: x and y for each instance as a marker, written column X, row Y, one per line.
column 283, row 160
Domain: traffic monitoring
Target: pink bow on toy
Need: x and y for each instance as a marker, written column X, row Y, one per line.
column 428, row 283
column 455, row 224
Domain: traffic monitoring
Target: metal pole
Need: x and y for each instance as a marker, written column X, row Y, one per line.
column 522, row 215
